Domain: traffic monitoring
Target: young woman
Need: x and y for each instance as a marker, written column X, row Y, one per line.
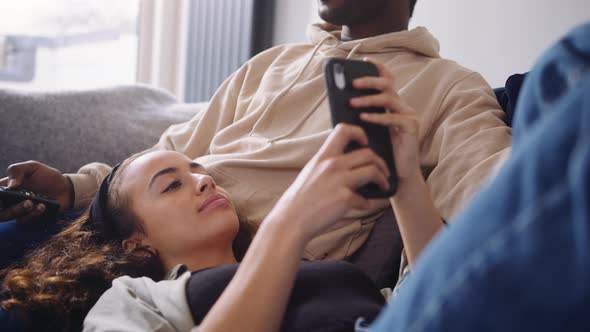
column 161, row 212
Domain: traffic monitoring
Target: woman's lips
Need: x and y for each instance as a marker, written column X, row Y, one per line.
column 213, row 201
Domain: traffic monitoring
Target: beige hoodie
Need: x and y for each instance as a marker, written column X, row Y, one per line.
column 271, row 116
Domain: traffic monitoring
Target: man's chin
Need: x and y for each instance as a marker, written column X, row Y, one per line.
column 335, row 14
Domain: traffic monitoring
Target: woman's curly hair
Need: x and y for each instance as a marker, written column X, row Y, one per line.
column 61, row 280
column 57, row 284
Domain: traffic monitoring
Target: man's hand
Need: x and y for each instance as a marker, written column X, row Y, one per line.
column 41, row 179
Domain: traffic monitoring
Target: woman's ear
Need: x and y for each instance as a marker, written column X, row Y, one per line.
column 131, row 244
column 136, row 246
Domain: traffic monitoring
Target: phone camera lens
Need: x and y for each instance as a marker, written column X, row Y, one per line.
column 339, row 77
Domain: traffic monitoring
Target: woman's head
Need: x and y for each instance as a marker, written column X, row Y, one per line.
column 165, row 204
column 158, row 211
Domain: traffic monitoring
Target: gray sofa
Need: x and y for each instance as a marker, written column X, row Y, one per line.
column 67, row 130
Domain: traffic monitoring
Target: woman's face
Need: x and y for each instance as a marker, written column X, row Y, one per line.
column 187, row 219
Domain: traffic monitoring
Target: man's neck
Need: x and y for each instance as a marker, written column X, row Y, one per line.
column 350, row 32
column 392, row 18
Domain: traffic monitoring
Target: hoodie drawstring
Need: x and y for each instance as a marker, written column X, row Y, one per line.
column 317, row 104
column 289, row 87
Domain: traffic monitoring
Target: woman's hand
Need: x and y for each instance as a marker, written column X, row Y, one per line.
column 319, row 196
column 326, row 187
column 416, row 215
column 401, row 119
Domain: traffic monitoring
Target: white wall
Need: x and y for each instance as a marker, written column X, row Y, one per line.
column 499, row 37
column 496, row 38
column 291, row 20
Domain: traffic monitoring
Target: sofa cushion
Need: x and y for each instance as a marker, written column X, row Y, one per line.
column 67, row 130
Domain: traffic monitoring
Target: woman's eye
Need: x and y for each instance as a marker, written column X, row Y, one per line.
column 172, row 186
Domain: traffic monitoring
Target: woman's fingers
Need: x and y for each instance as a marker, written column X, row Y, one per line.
column 371, row 82
column 383, row 71
column 340, row 137
column 405, row 123
column 357, row 201
column 375, row 100
column 363, row 157
column 361, row 176
column 385, row 100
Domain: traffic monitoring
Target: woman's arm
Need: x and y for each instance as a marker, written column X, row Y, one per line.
column 417, row 218
column 414, row 209
column 257, row 296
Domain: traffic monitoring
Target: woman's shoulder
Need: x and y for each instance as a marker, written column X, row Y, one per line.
column 141, row 303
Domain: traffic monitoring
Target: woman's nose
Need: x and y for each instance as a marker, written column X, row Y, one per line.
column 205, row 183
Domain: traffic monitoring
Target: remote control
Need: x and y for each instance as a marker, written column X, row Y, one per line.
column 10, row 197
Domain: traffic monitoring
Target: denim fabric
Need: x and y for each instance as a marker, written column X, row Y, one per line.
column 518, row 258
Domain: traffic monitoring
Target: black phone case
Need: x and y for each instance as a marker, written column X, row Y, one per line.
column 379, row 139
column 10, row 197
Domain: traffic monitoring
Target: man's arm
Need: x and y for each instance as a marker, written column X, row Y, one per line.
column 191, row 138
column 469, row 140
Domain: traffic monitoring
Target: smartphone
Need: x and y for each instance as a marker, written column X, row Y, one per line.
column 339, row 75
column 10, row 197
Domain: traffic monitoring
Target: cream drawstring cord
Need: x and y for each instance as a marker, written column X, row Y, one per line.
column 289, row 87
column 318, row 102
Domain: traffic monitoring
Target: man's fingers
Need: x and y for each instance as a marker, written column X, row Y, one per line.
column 33, row 216
column 17, row 173
column 363, row 157
column 16, row 211
column 4, row 182
column 340, row 137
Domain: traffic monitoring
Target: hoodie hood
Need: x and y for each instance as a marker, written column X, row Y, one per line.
column 418, row 40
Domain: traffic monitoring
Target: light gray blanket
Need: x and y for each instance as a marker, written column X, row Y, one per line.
column 69, row 129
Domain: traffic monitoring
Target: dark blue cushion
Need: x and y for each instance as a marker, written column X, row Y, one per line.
column 508, row 95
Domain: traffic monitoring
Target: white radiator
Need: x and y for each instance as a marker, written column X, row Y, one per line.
column 223, row 34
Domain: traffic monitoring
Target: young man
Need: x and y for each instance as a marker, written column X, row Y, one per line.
column 270, row 117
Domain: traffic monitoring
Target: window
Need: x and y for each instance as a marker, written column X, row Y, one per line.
column 68, row 44
column 188, row 47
